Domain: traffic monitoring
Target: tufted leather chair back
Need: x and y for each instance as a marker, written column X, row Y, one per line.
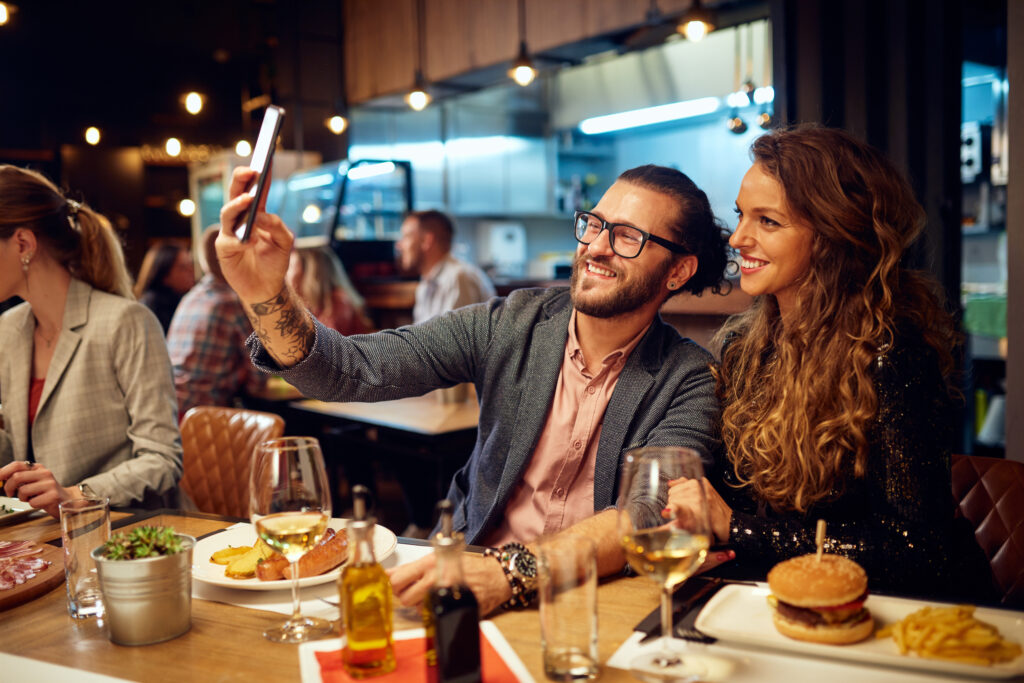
column 989, row 492
column 218, row 445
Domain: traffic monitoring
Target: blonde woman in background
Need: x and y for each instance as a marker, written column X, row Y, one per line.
column 85, row 380
column 317, row 276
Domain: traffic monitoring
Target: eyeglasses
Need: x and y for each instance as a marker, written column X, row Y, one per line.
column 625, row 240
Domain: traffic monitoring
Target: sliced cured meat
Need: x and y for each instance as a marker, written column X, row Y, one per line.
column 10, row 549
column 16, row 571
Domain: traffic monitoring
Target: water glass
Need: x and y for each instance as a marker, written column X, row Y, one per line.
column 567, row 583
column 85, row 525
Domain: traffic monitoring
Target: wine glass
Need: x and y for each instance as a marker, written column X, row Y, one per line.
column 665, row 547
column 290, row 505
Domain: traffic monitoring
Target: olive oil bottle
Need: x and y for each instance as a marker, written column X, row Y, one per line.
column 365, row 593
column 450, row 613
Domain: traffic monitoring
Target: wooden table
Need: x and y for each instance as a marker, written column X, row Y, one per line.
column 225, row 644
column 425, row 415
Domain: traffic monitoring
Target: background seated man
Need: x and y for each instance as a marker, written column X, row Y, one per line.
column 567, row 378
column 204, row 339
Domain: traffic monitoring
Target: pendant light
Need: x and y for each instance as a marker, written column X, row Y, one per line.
column 739, row 97
column 697, row 22
column 418, row 98
column 765, row 95
column 522, row 71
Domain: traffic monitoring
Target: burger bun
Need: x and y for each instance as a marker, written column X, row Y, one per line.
column 840, row 634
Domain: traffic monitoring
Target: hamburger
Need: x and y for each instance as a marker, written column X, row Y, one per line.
column 820, row 601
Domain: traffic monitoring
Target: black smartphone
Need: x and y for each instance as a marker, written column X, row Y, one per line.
column 260, row 162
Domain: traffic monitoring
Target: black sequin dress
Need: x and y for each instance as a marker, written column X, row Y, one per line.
column 898, row 520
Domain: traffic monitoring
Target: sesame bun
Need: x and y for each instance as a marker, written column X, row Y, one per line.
column 805, row 582
column 839, row 634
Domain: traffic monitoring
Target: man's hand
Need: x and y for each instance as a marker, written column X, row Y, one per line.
column 684, row 497
column 34, row 484
column 255, row 269
column 484, row 576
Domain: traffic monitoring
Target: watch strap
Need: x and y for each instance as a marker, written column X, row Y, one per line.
column 521, row 595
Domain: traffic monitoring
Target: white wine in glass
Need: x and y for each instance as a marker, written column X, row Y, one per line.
column 663, row 546
column 290, row 505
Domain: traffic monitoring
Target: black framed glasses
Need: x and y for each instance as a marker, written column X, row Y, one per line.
column 626, row 241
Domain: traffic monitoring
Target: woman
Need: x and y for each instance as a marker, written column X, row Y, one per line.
column 317, row 276
column 85, row 380
column 166, row 274
column 834, row 387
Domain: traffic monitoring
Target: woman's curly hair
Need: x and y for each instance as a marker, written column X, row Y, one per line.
column 797, row 401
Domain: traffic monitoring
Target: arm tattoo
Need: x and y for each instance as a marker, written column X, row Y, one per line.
column 289, row 321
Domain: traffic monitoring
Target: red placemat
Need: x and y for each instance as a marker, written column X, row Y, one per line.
column 411, row 665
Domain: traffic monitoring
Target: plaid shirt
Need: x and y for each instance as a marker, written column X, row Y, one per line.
column 206, row 342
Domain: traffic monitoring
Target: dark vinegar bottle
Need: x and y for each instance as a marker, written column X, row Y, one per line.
column 450, row 611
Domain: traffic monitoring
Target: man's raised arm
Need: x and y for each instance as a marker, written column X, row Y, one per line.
column 256, row 270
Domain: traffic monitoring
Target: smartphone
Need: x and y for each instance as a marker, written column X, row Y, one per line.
column 262, row 154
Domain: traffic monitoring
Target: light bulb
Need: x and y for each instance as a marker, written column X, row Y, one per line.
column 186, row 207
column 417, row 100
column 92, row 135
column 193, row 103
column 337, row 124
column 523, row 74
column 243, row 148
column 695, row 30
column 173, row 146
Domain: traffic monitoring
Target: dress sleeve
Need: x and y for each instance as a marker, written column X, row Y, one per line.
column 897, row 521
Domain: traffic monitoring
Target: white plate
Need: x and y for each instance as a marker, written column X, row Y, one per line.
column 21, row 510
column 741, row 614
column 384, row 542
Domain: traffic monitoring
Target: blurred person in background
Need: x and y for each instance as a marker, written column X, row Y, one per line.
column 206, row 340
column 166, row 274
column 446, row 283
column 85, row 380
column 318, row 277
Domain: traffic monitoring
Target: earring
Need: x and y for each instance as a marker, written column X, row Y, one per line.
column 25, row 260
column 672, row 284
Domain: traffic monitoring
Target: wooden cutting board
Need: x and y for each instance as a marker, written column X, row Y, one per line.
column 42, row 583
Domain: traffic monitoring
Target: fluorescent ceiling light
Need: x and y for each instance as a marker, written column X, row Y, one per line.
column 650, row 115
column 312, row 181
column 370, row 170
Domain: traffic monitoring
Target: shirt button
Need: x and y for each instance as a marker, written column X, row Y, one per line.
column 559, row 493
column 591, row 390
column 576, row 445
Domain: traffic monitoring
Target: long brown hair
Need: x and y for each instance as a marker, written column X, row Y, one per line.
column 322, row 273
column 74, row 235
column 798, row 400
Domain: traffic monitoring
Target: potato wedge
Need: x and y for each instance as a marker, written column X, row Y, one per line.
column 244, row 566
column 227, row 554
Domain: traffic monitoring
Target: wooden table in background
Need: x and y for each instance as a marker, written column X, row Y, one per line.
column 225, row 644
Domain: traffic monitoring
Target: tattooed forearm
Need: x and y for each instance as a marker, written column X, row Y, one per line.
column 284, row 327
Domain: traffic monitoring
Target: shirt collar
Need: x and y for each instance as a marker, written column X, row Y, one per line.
column 618, row 355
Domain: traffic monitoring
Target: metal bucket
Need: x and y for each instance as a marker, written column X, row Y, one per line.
column 147, row 600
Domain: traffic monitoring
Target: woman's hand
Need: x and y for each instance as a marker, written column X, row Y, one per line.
column 484, row 576
column 255, row 269
column 683, row 496
column 34, row 484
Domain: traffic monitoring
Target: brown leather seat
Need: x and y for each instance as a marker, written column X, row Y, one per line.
column 990, row 493
column 218, row 444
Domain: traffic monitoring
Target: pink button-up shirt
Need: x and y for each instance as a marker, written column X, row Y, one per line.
column 557, row 489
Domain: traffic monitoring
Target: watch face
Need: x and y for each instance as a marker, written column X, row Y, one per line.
column 525, row 564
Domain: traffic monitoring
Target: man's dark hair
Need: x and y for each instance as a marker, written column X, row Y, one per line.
column 695, row 226
column 437, row 223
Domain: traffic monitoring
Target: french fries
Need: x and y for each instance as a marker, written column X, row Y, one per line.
column 227, row 554
column 950, row 633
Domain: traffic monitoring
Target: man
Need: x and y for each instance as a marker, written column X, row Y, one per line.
column 424, row 248
column 205, row 339
column 568, row 379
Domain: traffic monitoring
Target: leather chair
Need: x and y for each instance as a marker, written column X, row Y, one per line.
column 218, row 444
column 989, row 492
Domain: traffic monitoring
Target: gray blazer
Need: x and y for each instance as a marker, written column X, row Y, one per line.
column 511, row 349
column 107, row 416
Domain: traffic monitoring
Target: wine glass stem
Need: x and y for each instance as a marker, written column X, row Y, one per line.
column 296, row 612
column 669, row 658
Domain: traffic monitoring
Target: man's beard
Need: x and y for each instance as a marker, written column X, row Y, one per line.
column 627, row 296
